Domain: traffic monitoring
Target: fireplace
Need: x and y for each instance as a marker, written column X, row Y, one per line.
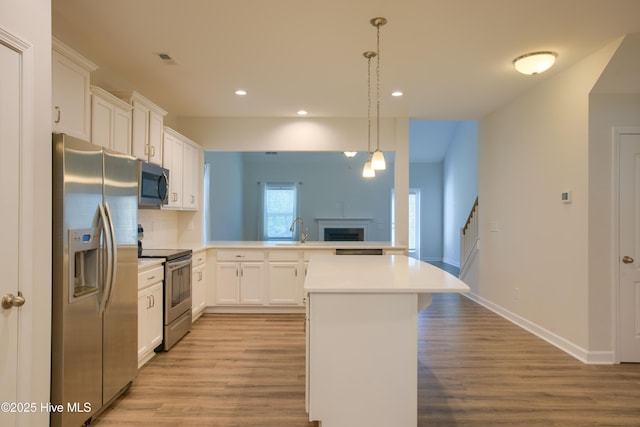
column 343, row 229
column 342, row 234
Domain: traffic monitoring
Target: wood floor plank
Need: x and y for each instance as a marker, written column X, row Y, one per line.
column 474, row 369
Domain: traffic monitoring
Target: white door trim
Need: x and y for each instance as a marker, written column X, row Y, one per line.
column 618, row 131
column 26, row 314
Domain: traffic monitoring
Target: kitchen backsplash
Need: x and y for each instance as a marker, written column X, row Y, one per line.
column 160, row 228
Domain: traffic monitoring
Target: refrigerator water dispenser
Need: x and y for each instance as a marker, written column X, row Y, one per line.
column 84, row 250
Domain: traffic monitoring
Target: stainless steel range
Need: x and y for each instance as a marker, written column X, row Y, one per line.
column 177, row 293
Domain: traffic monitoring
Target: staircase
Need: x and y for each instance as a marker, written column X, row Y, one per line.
column 469, row 240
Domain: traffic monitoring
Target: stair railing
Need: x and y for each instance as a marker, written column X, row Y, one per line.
column 469, row 235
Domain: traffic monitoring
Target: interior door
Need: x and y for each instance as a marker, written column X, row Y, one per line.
column 629, row 250
column 9, row 218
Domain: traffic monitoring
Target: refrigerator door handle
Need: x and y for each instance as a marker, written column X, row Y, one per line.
column 113, row 253
column 107, row 268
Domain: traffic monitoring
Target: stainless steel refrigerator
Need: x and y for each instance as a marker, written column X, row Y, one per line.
column 94, row 295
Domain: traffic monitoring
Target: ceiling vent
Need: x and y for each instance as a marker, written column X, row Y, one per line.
column 166, row 58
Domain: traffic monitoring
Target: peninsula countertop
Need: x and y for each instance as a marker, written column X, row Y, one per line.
column 309, row 244
column 378, row 274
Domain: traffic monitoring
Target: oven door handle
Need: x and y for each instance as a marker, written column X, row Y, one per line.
column 174, row 265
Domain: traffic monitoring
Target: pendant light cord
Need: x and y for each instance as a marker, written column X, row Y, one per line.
column 378, row 90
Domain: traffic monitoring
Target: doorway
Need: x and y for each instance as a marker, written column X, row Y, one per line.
column 627, row 260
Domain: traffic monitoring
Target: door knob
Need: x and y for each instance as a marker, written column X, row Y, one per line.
column 627, row 259
column 10, row 300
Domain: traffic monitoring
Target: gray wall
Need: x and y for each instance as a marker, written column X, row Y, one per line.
column 460, row 187
column 225, row 193
column 331, row 187
column 428, row 178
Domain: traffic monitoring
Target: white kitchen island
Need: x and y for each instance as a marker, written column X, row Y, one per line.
column 362, row 334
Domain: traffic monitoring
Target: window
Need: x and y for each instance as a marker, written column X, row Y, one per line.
column 280, row 207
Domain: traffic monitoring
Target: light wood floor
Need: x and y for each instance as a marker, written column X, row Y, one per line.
column 475, row 369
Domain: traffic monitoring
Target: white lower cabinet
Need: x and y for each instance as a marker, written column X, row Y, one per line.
column 150, row 287
column 198, row 285
column 272, row 278
column 239, row 282
column 285, row 277
column 284, row 282
column 240, row 277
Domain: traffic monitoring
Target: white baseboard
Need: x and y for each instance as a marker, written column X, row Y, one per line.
column 583, row 355
column 454, row 262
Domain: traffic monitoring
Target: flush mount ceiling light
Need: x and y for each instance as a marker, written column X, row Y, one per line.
column 535, row 62
column 367, row 170
column 302, row 112
column 397, row 93
column 377, row 160
column 241, row 92
column 350, row 153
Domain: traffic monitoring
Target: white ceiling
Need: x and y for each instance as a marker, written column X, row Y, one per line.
column 451, row 58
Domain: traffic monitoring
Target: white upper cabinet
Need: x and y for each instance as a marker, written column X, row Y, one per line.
column 182, row 158
column 147, row 127
column 173, row 153
column 71, row 99
column 191, row 176
column 110, row 121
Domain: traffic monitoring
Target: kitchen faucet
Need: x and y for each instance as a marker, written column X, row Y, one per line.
column 303, row 235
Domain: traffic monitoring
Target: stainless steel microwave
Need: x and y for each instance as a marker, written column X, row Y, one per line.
column 153, row 186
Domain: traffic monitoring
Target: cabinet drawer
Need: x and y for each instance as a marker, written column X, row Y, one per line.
column 147, row 278
column 226, row 255
column 284, row 255
column 199, row 258
column 308, row 253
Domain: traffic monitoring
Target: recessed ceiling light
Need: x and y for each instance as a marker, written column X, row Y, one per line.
column 241, row 92
column 302, row 113
column 397, row 93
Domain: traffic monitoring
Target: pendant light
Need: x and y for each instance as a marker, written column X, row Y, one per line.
column 367, row 170
column 377, row 161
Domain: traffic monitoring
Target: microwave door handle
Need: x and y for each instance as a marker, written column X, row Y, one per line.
column 165, row 196
column 113, row 254
column 106, row 265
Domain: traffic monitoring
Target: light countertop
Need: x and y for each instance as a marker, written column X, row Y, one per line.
column 377, row 274
column 149, row 262
column 310, row 244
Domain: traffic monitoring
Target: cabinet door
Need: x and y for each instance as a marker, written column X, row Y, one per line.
column 283, row 282
column 172, row 160
column 121, row 130
column 143, row 334
column 251, row 283
column 155, row 138
column 198, row 286
column 101, row 119
column 71, row 97
column 227, row 283
column 155, row 319
column 140, row 131
column 191, row 174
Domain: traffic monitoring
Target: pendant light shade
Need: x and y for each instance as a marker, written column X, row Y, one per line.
column 367, row 170
column 377, row 161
